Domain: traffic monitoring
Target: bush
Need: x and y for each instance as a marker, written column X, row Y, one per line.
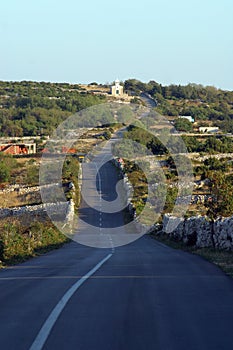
column 4, row 172
column 183, row 125
column 22, row 239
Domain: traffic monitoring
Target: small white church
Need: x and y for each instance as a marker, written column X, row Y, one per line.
column 117, row 90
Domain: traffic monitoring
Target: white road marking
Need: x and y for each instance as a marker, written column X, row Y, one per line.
column 51, row 320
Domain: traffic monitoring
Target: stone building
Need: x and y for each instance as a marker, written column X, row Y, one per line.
column 188, row 117
column 209, row 129
column 117, row 90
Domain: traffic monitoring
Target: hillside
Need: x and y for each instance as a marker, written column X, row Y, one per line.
column 207, row 105
column 31, row 108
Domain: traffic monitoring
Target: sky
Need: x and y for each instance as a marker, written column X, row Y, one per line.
column 171, row 42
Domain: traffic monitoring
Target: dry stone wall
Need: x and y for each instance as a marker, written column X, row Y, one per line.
column 60, row 210
column 200, row 232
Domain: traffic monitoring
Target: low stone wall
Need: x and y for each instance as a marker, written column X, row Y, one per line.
column 200, row 232
column 127, row 186
column 217, row 156
column 26, row 189
column 56, row 211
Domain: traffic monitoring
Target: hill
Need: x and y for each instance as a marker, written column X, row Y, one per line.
column 36, row 108
column 207, row 105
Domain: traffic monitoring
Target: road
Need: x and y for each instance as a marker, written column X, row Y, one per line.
column 141, row 296
column 148, row 100
column 101, row 216
column 146, row 296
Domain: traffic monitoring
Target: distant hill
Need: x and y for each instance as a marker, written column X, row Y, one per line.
column 37, row 108
column 204, row 104
column 33, row 108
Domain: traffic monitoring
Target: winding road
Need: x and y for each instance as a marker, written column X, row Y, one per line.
column 141, row 296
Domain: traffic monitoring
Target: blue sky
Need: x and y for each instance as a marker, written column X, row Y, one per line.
column 77, row 41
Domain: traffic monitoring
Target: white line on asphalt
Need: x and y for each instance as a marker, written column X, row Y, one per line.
column 51, row 320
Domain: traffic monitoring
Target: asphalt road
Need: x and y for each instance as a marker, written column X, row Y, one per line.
column 141, row 296
column 104, row 199
column 146, row 296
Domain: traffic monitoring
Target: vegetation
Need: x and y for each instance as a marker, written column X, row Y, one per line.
column 202, row 103
column 208, row 106
column 146, row 139
column 23, row 238
column 8, row 166
column 71, row 169
column 211, row 144
column 217, row 173
column 31, row 108
column 4, row 172
column 139, row 182
column 29, row 235
column 221, row 201
column 183, row 124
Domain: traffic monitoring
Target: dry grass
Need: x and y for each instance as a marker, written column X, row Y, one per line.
column 15, row 199
column 26, row 236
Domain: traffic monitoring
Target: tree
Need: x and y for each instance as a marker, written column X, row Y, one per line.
column 156, row 146
column 183, row 124
column 107, row 135
column 221, row 201
column 192, row 143
column 216, row 164
column 4, row 172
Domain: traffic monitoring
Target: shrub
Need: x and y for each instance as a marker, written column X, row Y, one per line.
column 22, row 239
column 4, row 172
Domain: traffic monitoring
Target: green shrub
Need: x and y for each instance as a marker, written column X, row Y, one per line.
column 19, row 241
column 4, row 172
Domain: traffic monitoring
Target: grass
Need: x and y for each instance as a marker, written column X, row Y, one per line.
column 222, row 258
column 16, row 199
column 25, row 237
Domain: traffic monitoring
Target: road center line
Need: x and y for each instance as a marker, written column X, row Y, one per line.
column 44, row 332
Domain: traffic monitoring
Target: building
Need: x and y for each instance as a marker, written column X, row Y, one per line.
column 18, row 148
column 206, row 129
column 188, row 117
column 117, row 90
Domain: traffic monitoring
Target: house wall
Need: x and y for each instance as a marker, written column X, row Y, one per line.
column 119, row 89
column 208, row 129
column 16, row 149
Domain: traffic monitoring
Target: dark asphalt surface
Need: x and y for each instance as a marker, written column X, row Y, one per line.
column 102, row 211
column 107, row 191
column 146, row 296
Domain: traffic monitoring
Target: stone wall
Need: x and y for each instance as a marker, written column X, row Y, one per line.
column 26, row 189
column 54, row 209
column 128, row 188
column 200, row 232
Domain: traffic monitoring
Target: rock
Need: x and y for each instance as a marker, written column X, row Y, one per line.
column 200, row 232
